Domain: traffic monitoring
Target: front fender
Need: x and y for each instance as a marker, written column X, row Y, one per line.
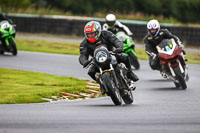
column 130, row 50
column 8, row 34
column 106, row 77
column 7, row 40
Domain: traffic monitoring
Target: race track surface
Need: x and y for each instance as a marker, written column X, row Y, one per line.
column 158, row 106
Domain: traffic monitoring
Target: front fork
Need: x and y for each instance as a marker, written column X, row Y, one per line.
column 7, row 40
column 179, row 65
column 130, row 50
column 111, row 70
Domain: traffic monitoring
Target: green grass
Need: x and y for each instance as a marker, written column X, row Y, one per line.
column 73, row 49
column 30, row 87
column 193, row 58
column 48, row 46
column 141, row 54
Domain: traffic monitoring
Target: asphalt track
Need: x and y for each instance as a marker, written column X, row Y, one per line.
column 158, row 106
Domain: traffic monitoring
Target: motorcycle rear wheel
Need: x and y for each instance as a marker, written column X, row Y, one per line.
column 113, row 92
column 180, row 78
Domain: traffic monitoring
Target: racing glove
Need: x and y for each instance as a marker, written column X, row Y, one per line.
column 86, row 63
column 118, row 50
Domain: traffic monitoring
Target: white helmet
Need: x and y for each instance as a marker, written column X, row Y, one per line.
column 153, row 27
column 110, row 20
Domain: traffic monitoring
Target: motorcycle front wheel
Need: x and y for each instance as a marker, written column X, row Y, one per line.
column 13, row 47
column 111, row 87
column 134, row 60
column 180, row 78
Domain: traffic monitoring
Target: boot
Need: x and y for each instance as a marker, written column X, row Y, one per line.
column 132, row 76
column 163, row 74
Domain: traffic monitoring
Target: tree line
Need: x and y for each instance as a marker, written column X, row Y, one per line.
column 183, row 10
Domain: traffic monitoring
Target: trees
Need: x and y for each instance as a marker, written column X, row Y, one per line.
column 182, row 10
column 6, row 4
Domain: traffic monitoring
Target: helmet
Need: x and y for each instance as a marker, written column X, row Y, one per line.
column 110, row 20
column 153, row 27
column 92, row 31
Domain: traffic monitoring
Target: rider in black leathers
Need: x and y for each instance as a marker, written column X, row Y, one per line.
column 154, row 36
column 94, row 37
column 3, row 17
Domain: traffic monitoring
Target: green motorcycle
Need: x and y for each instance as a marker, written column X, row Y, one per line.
column 7, row 37
column 129, row 48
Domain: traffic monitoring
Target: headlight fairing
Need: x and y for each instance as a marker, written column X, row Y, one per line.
column 101, row 56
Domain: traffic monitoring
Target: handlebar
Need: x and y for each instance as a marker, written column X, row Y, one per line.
column 112, row 53
column 91, row 61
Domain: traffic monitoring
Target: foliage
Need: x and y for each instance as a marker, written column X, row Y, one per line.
column 6, row 4
column 183, row 10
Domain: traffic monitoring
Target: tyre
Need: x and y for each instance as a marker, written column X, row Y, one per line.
column 177, row 85
column 180, row 78
column 113, row 92
column 187, row 77
column 134, row 60
column 13, row 47
column 128, row 98
column 2, row 51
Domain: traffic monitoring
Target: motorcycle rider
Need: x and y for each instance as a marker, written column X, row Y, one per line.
column 3, row 17
column 94, row 37
column 154, row 36
column 2, row 43
column 115, row 26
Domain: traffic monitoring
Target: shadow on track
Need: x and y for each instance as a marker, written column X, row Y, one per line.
column 7, row 55
column 167, row 89
column 110, row 105
column 159, row 80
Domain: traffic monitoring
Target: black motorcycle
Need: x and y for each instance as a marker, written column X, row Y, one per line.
column 112, row 76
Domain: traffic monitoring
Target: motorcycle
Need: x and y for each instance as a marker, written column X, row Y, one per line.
column 112, row 76
column 129, row 49
column 173, row 63
column 7, row 37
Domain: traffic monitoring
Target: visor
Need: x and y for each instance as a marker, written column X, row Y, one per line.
column 153, row 31
column 91, row 35
column 110, row 23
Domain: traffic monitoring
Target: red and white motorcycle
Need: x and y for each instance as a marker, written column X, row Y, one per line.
column 173, row 62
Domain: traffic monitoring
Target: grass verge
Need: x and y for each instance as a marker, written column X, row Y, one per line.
column 48, row 46
column 30, row 87
column 73, row 49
